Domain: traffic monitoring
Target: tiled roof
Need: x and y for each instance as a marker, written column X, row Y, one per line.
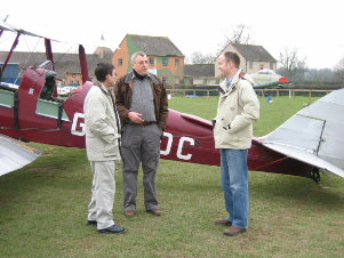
column 201, row 70
column 157, row 46
column 63, row 62
column 254, row 53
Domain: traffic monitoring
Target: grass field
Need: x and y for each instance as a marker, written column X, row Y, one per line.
column 43, row 207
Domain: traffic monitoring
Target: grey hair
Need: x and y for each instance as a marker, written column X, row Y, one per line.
column 138, row 53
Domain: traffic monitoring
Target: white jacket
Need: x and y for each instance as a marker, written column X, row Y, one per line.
column 102, row 133
column 238, row 108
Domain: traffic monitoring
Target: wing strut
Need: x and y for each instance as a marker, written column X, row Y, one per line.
column 83, row 64
column 15, row 43
column 49, row 52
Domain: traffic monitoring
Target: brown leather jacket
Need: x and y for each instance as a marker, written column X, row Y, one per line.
column 123, row 92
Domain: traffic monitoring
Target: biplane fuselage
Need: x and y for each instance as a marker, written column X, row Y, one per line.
column 27, row 117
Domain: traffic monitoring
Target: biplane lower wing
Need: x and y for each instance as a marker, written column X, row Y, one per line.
column 314, row 135
column 306, row 157
column 15, row 154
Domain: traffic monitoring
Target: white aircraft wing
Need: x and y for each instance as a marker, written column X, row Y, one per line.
column 15, row 154
column 5, row 26
column 314, row 135
column 9, row 27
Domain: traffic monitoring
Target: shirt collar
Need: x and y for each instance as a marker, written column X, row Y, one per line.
column 229, row 82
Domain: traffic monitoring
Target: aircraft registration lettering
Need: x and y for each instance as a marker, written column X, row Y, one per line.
column 181, row 145
column 169, row 144
column 78, row 125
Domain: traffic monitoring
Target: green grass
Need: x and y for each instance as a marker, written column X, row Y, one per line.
column 43, row 207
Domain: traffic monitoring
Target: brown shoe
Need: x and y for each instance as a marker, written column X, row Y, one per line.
column 233, row 231
column 223, row 222
column 155, row 212
column 130, row 213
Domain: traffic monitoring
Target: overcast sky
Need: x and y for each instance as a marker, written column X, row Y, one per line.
column 313, row 28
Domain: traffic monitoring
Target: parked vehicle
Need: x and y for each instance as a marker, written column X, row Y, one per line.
column 76, row 91
column 9, row 85
column 65, row 91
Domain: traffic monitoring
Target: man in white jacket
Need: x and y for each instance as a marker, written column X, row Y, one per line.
column 102, row 146
column 237, row 110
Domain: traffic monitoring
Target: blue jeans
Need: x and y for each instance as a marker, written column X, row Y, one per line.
column 234, row 180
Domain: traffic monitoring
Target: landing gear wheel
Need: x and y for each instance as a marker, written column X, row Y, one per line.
column 315, row 175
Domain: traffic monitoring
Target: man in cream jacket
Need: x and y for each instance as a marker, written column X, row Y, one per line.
column 238, row 109
column 102, row 146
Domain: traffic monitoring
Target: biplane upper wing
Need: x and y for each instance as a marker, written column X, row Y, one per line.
column 314, row 135
column 6, row 26
column 15, row 154
column 9, row 27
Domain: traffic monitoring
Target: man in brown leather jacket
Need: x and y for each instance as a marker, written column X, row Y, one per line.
column 142, row 105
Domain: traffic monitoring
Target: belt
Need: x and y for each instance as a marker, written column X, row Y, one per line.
column 147, row 123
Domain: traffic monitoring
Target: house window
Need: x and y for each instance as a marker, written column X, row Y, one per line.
column 261, row 67
column 177, row 62
column 251, row 65
column 165, row 61
column 151, row 61
column 271, row 66
column 120, row 62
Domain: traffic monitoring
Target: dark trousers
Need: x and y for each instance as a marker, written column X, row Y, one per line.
column 140, row 144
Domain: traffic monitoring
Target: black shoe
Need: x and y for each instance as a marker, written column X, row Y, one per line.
column 92, row 222
column 114, row 229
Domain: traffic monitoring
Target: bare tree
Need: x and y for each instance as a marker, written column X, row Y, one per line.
column 291, row 65
column 339, row 70
column 198, row 58
column 320, row 76
column 240, row 34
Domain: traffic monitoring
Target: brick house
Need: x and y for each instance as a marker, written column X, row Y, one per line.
column 165, row 59
column 252, row 58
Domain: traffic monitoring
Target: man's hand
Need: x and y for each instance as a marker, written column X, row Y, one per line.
column 135, row 117
column 227, row 128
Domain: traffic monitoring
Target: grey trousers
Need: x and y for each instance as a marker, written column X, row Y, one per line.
column 140, row 144
column 103, row 193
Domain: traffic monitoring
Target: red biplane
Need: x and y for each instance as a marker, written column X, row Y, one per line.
column 309, row 141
